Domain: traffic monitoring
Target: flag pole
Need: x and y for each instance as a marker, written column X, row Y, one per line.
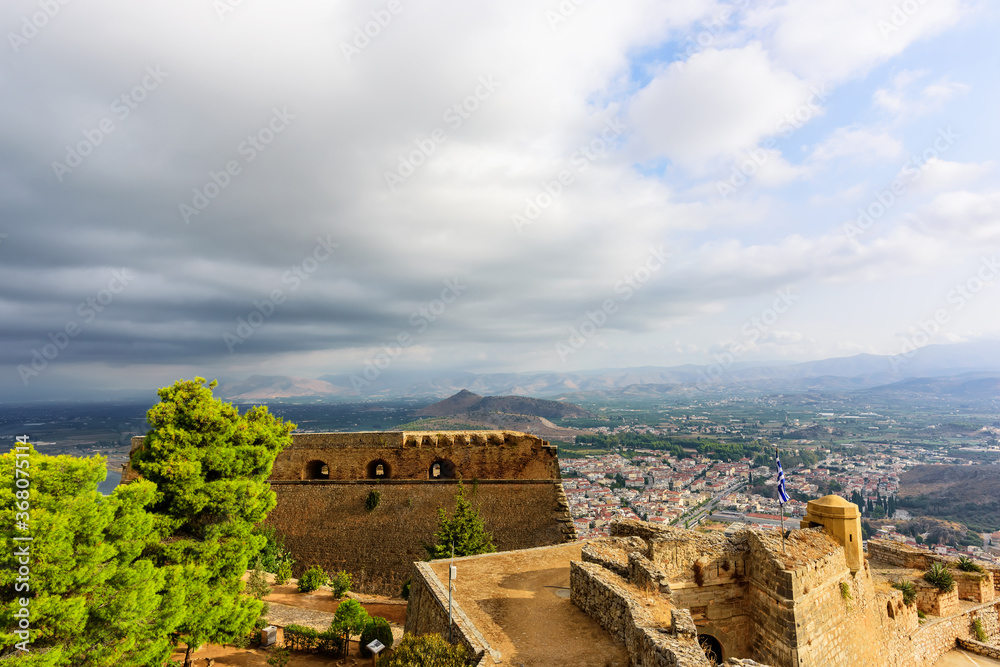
column 783, row 528
column 781, row 504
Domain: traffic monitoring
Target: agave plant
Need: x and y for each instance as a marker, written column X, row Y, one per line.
column 940, row 576
column 909, row 591
column 966, row 564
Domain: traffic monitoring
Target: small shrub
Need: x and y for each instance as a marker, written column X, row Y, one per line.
column 966, row 564
column 331, row 642
column 405, row 592
column 340, row 583
column 257, row 585
column 301, row 638
column 274, row 551
column 977, row 627
column 425, row 651
column 377, row 628
column 699, row 573
column 279, row 658
column 372, row 501
column 845, row 591
column 909, row 591
column 921, row 615
column 261, row 622
column 940, row 576
column 312, row 579
column 283, row 574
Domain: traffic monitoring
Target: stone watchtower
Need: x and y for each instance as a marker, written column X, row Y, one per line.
column 842, row 521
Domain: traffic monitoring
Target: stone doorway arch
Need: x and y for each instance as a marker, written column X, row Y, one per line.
column 379, row 469
column 316, row 469
column 441, row 469
column 712, row 648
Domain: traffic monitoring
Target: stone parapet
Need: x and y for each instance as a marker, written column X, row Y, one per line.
column 934, row 601
column 611, row 553
column 979, row 648
column 427, row 612
column 895, row 553
column 975, row 586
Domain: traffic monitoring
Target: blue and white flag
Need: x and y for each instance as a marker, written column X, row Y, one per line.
column 782, row 496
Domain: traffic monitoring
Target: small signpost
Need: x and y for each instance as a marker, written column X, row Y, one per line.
column 375, row 647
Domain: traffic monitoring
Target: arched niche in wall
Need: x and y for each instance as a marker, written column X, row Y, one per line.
column 316, row 469
column 379, row 469
column 441, row 469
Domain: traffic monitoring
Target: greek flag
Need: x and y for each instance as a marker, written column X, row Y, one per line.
column 782, row 496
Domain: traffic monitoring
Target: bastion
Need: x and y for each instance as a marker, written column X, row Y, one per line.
column 329, row 516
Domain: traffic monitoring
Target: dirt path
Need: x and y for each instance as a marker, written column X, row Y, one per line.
column 323, row 600
column 520, row 602
column 313, row 610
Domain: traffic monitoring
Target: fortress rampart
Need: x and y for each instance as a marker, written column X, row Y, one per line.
column 323, row 481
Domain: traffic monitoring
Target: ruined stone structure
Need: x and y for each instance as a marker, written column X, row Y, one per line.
column 681, row 598
column 324, row 480
column 802, row 604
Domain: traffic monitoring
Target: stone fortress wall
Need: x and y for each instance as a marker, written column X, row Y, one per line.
column 323, row 481
column 750, row 597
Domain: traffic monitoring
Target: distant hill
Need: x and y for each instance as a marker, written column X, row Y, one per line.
column 460, row 403
column 260, row 387
column 515, row 413
column 465, row 403
column 966, row 494
column 969, row 385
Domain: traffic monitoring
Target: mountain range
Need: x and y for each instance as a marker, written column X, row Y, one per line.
column 971, row 368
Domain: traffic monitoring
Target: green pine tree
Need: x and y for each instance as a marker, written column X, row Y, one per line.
column 464, row 529
column 94, row 596
column 210, row 467
column 350, row 619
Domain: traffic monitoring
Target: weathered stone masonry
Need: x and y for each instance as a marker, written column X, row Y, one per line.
column 804, row 604
column 323, row 480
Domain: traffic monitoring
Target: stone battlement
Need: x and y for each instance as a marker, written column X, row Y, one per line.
column 323, row 482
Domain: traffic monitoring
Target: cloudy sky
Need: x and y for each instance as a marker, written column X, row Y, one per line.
column 230, row 187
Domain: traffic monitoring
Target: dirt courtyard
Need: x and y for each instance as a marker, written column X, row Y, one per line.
column 520, row 602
